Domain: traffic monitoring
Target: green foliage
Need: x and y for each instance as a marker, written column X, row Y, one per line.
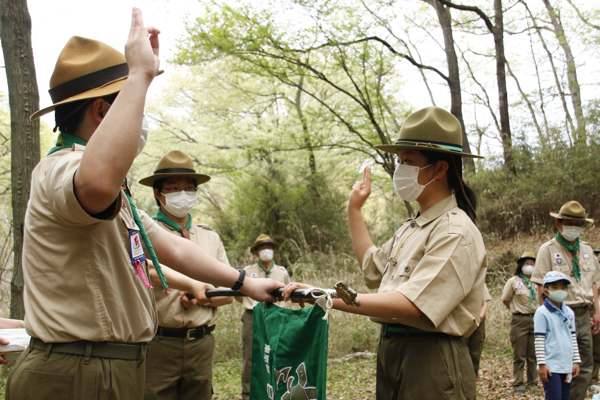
column 299, row 210
column 546, row 179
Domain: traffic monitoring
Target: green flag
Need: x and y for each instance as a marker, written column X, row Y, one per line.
column 289, row 353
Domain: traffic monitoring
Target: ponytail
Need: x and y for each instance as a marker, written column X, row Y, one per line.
column 465, row 196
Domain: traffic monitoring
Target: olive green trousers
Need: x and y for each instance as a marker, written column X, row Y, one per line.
column 48, row 375
column 521, row 337
column 424, row 367
column 179, row 369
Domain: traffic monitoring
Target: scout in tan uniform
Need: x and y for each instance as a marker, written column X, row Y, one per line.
column 520, row 297
column 88, row 305
column 264, row 248
column 179, row 363
column 476, row 341
column 575, row 258
column 430, row 275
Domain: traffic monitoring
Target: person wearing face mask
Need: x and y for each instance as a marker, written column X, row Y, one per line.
column 89, row 307
column 179, row 362
column 520, row 297
column 556, row 350
column 567, row 253
column 430, row 275
column 264, row 249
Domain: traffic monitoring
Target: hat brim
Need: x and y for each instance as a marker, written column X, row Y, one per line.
column 199, row 178
column 257, row 244
column 101, row 91
column 395, row 148
column 586, row 220
column 557, row 280
column 526, row 258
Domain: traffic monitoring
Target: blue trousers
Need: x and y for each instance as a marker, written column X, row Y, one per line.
column 556, row 388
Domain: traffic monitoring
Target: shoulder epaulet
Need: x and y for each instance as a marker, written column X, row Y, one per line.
column 583, row 242
column 208, row 228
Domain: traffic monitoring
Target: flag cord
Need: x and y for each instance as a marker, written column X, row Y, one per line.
column 324, row 300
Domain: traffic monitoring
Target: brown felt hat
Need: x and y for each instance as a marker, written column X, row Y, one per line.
column 85, row 69
column 526, row 255
column 175, row 164
column 264, row 239
column 573, row 211
column 430, row 129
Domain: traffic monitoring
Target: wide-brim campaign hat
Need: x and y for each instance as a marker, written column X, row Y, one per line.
column 430, row 129
column 175, row 164
column 85, row 69
column 264, row 239
column 573, row 211
column 526, row 255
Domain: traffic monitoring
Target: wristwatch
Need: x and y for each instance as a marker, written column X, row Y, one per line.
column 238, row 284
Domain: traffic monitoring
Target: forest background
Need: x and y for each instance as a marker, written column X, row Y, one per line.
column 282, row 103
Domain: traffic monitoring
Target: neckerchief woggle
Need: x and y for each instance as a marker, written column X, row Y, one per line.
column 65, row 141
column 532, row 293
column 571, row 249
column 267, row 271
column 162, row 217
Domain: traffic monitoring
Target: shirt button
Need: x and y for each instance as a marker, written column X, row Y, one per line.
column 406, row 269
column 412, row 224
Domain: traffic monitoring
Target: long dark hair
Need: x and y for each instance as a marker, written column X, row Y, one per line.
column 465, row 196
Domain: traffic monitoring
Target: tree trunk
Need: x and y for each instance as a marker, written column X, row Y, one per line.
column 498, row 33
column 579, row 134
column 443, row 14
column 15, row 33
column 312, row 164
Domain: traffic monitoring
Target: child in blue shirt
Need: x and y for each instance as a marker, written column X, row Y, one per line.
column 555, row 341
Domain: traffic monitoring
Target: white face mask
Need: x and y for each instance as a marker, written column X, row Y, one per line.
column 143, row 136
column 558, row 295
column 527, row 270
column 179, row 204
column 570, row 233
column 265, row 254
column 406, row 181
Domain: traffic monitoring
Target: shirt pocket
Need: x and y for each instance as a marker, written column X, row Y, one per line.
column 403, row 272
column 586, row 265
column 130, row 225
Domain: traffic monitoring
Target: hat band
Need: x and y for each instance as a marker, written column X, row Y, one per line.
column 429, row 143
column 570, row 216
column 90, row 81
column 175, row 171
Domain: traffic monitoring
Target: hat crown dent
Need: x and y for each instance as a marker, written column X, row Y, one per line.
column 82, row 56
column 432, row 124
column 175, row 159
column 573, row 208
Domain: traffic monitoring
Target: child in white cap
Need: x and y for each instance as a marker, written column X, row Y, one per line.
column 555, row 340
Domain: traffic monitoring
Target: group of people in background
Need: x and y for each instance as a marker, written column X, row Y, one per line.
column 555, row 315
column 100, row 329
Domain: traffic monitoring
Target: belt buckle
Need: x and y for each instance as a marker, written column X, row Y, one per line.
column 187, row 334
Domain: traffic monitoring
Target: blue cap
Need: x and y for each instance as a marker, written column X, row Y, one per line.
column 555, row 276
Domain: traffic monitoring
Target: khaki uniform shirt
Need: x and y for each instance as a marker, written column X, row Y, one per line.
column 171, row 313
column 438, row 262
column 80, row 283
column 277, row 273
column 553, row 257
column 517, row 292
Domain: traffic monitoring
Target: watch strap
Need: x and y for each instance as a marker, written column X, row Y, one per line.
column 238, row 284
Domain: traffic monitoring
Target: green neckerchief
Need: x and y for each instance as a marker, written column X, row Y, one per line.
column 66, row 141
column 572, row 249
column 532, row 293
column 267, row 271
column 162, row 217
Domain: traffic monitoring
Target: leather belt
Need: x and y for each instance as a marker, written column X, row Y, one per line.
column 183, row 333
column 582, row 310
column 121, row 351
column 523, row 315
column 407, row 331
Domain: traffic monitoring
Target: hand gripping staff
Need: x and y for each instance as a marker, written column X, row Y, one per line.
column 341, row 291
